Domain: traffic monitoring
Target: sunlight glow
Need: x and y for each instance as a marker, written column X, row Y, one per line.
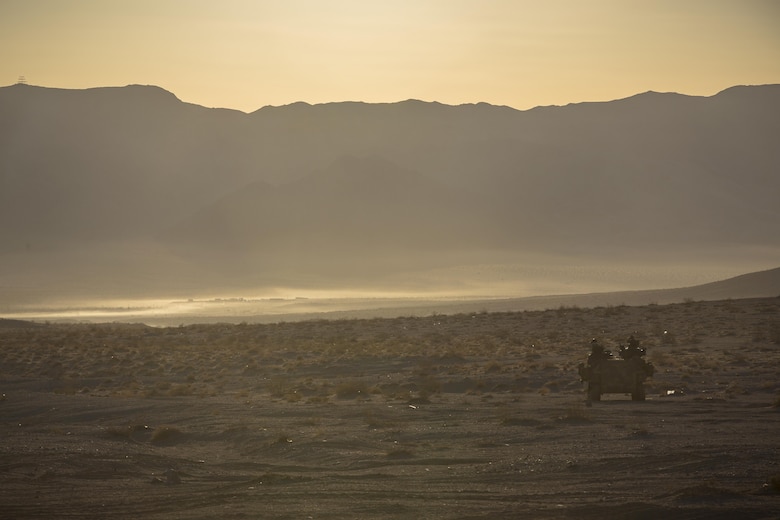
column 245, row 55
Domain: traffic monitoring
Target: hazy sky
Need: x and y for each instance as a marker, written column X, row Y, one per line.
column 245, row 54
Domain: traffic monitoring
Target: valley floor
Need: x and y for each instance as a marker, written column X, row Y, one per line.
column 473, row 415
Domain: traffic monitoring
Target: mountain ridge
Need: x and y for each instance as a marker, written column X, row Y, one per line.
column 165, row 94
column 655, row 175
column 755, row 285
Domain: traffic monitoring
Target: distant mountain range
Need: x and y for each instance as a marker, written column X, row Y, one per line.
column 344, row 190
column 763, row 284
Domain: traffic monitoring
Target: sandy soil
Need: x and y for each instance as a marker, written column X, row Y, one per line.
column 447, row 416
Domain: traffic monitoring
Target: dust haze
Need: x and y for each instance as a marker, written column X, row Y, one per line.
column 117, row 197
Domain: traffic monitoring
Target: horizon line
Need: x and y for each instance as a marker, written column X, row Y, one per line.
column 26, row 84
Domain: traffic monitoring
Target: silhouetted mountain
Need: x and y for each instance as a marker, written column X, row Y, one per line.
column 355, row 202
column 762, row 284
column 107, row 162
column 355, row 184
column 750, row 285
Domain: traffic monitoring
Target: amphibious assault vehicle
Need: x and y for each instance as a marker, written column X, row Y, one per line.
column 606, row 375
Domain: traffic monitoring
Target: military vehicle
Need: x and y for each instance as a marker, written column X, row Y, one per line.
column 606, row 375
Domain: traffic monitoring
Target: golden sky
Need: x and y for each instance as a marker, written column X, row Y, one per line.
column 245, row 54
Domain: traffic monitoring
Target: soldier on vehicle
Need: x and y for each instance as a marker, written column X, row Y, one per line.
column 597, row 353
column 632, row 350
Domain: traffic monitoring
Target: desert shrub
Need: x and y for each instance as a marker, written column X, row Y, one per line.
column 129, row 432
column 374, row 421
column 493, row 366
column 639, row 430
column 293, row 397
column 283, row 439
column 509, row 420
column 424, row 368
column 667, row 338
column 774, row 334
column 738, row 357
column 129, row 388
column 502, row 333
column 165, row 435
column 575, row 413
column 400, row 453
column 660, row 358
column 733, row 389
column 65, row 387
column 429, row 385
column 278, row 386
column 179, row 390
column 554, row 386
column 273, row 479
column 351, row 389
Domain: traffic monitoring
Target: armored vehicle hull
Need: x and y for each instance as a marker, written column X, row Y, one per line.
column 617, row 376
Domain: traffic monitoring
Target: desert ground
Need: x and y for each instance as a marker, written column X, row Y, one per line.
column 462, row 416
